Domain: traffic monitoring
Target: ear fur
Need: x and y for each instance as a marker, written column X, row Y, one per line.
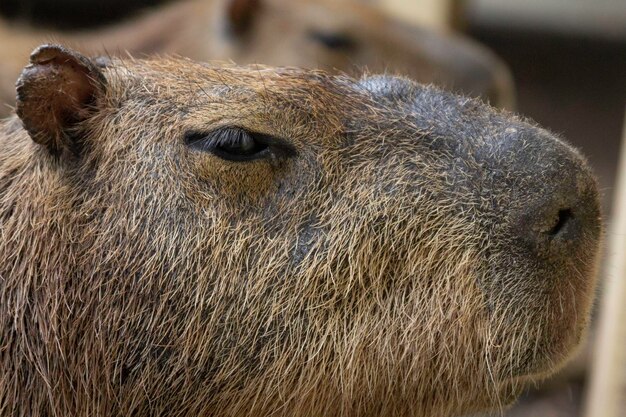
column 56, row 91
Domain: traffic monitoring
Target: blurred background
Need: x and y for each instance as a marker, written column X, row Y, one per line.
column 561, row 63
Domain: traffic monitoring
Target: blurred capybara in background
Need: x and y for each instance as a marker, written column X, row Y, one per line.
column 188, row 239
column 329, row 34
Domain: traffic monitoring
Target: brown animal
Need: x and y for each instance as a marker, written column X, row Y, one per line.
column 185, row 239
column 330, row 34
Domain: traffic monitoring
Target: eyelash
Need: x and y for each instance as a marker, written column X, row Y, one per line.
column 239, row 145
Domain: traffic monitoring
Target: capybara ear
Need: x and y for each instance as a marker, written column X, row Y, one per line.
column 240, row 14
column 56, row 91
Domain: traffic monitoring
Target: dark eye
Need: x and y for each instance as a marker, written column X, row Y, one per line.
column 333, row 40
column 237, row 144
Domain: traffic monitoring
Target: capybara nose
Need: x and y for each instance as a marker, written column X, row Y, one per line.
column 565, row 217
column 566, row 210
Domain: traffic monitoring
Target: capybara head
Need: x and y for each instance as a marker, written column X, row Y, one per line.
column 347, row 36
column 186, row 239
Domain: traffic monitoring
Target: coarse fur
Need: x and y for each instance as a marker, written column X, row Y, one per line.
column 344, row 36
column 394, row 265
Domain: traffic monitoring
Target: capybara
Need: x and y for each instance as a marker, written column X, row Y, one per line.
column 184, row 239
column 328, row 34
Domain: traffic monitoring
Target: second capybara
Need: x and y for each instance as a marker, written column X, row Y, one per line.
column 186, row 239
column 345, row 36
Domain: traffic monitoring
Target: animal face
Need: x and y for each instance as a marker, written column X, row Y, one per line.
column 347, row 37
column 222, row 240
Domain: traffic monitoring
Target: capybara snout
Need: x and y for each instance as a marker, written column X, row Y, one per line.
column 529, row 181
column 531, row 198
column 192, row 239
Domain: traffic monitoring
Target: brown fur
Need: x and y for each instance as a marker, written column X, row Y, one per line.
column 381, row 271
column 280, row 32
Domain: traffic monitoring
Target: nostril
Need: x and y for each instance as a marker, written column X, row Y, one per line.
column 563, row 217
column 560, row 219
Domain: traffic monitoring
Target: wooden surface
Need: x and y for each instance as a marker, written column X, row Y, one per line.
column 606, row 396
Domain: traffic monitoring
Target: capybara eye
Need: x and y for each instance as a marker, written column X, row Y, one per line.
column 238, row 144
column 333, row 40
